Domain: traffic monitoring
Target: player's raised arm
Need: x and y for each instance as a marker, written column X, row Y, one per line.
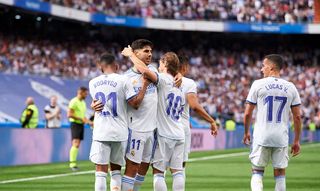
column 152, row 76
column 195, row 106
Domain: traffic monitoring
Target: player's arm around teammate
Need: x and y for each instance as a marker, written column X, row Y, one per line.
column 134, row 102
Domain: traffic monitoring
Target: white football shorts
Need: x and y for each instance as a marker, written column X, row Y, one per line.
column 168, row 154
column 140, row 147
column 260, row 156
column 105, row 152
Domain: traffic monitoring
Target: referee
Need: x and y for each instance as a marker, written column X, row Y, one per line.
column 76, row 115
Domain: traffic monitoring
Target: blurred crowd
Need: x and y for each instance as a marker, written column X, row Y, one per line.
column 274, row 11
column 223, row 75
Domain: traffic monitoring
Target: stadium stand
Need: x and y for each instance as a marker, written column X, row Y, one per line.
column 275, row 11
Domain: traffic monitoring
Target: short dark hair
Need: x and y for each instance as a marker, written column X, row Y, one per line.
column 276, row 59
column 140, row 43
column 83, row 89
column 172, row 62
column 183, row 60
column 107, row 58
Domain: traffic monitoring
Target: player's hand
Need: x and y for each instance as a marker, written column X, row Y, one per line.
column 178, row 80
column 246, row 139
column 127, row 51
column 295, row 149
column 96, row 105
column 145, row 81
column 214, row 128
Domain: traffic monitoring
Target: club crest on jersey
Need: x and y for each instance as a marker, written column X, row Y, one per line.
column 132, row 153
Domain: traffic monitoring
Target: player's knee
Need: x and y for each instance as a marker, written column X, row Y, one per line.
column 156, row 171
column 174, row 170
column 76, row 143
column 114, row 167
column 257, row 170
column 143, row 169
column 279, row 172
column 102, row 168
column 131, row 168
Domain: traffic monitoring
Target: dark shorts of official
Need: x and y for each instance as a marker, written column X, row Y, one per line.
column 77, row 131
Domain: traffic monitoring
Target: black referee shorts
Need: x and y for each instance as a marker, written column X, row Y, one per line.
column 77, row 131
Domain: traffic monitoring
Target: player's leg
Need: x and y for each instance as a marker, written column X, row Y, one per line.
column 128, row 178
column 135, row 147
column 101, row 177
column 187, row 149
column 280, row 159
column 259, row 157
column 175, row 164
column 118, row 150
column 77, row 136
column 280, row 179
column 139, row 179
column 159, row 166
column 257, row 178
column 159, row 183
column 115, row 177
column 148, row 151
column 100, row 155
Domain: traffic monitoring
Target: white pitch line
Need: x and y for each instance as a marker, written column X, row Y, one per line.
column 218, row 156
column 46, row 177
column 92, row 171
column 238, row 154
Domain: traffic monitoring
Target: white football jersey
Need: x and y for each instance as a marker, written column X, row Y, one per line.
column 274, row 98
column 144, row 118
column 111, row 124
column 187, row 86
column 170, row 108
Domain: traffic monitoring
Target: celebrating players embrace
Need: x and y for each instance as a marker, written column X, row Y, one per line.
column 138, row 119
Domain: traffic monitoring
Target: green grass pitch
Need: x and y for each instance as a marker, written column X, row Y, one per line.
column 221, row 170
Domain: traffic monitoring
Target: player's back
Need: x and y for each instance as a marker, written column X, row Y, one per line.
column 188, row 86
column 111, row 124
column 170, row 107
column 274, row 99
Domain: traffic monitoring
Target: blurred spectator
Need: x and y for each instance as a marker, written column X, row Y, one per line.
column 30, row 115
column 53, row 114
column 273, row 11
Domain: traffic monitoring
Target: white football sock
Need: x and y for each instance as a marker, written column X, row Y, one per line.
column 159, row 183
column 138, row 182
column 115, row 180
column 256, row 182
column 127, row 183
column 100, row 181
column 178, row 181
column 280, row 183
